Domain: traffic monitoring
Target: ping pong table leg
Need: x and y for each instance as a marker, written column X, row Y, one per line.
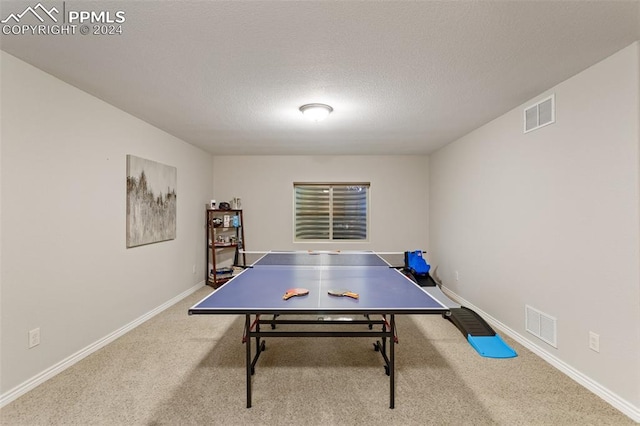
column 392, row 368
column 247, row 328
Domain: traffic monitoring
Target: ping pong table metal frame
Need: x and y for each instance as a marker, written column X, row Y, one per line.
column 252, row 329
column 387, row 333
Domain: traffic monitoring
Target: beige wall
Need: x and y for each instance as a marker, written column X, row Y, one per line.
column 65, row 267
column 551, row 219
column 398, row 197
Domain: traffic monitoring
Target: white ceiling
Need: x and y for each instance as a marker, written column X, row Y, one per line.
column 402, row 77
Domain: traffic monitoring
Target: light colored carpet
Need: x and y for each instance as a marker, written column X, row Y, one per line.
column 189, row 370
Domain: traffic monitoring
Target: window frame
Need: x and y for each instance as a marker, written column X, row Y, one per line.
column 331, row 238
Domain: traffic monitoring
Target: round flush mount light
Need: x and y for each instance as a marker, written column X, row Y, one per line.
column 316, row 112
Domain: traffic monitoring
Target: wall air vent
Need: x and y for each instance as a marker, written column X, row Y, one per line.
column 541, row 325
column 540, row 114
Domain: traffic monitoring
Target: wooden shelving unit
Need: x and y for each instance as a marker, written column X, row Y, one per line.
column 225, row 239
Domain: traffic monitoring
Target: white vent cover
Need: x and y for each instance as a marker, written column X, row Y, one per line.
column 541, row 325
column 540, row 114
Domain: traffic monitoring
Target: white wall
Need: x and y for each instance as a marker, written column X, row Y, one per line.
column 398, row 197
column 551, row 219
column 65, row 265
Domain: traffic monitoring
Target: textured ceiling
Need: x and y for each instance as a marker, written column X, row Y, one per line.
column 402, row 77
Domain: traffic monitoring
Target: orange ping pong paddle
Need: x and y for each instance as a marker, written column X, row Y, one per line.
column 295, row 292
column 344, row 292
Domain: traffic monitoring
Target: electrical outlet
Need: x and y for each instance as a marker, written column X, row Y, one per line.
column 194, row 269
column 594, row 341
column 34, row 337
column 457, row 276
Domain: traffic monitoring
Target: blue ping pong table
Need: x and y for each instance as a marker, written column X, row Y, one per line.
column 258, row 290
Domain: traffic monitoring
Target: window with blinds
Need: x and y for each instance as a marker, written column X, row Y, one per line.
column 331, row 212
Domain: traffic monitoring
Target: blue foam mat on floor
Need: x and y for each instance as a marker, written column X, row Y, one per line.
column 491, row 346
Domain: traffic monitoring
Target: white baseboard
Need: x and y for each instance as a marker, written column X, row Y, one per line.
column 616, row 401
column 45, row 375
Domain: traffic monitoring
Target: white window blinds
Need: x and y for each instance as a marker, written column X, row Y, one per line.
column 331, row 212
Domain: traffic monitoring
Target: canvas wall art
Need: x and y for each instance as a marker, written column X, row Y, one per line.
column 151, row 201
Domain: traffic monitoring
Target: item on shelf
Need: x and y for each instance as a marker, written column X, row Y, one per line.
column 212, row 204
column 236, row 204
column 224, row 206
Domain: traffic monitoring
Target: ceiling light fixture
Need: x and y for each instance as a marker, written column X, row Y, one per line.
column 316, row 112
